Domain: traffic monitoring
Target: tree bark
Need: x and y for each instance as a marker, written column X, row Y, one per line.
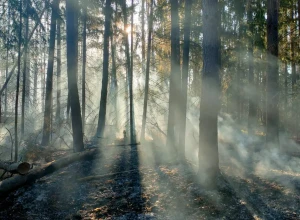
column 174, row 79
column 114, row 82
column 35, row 79
column 146, row 92
column 185, row 75
column 58, row 81
column 83, row 64
column 16, row 182
column 25, row 68
column 103, row 100
column 210, row 94
column 272, row 134
column 143, row 34
column 6, row 63
column 285, row 89
column 49, row 81
column 18, row 84
column 128, row 62
column 131, row 106
column 251, row 89
column 294, row 76
column 18, row 167
column 72, row 69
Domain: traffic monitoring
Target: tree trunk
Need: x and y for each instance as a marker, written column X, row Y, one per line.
column 185, row 75
column 272, row 136
column 114, row 82
column 103, row 100
column 146, row 93
column 16, row 182
column 131, row 106
column 127, row 55
column 49, row 81
column 72, row 69
column 35, row 79
column 143, row 34
column 174, row 79
column 18, row 85
column 58, row 81
column 238, row 92
column 294, row 77
column 6, row 63
column 83, row 64
column 286, row 90
column 25, row 68
column 43, row 81
column 298, row 16
column 251, row 89
column 210, row 92
column 18, row 167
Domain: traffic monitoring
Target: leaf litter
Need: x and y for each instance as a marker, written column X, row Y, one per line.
column 161, row 191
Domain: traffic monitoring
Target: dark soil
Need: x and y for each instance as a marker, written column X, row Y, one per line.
column 127, row 186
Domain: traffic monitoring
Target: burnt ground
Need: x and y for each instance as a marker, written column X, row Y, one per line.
column 122, row 184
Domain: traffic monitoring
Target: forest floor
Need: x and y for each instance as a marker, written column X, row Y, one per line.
column 123, row 184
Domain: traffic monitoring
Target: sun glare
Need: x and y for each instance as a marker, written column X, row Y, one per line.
column 128, row 29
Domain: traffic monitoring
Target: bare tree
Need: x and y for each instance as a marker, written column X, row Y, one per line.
column 146, row 93
column 210, row 92
column 103, row 100
column 18, row 83
column 49, row 80
column 72, row 69
column 272, row 134
column 175, row 77
column 84, row 18
column 58, row 71
column 185, row 74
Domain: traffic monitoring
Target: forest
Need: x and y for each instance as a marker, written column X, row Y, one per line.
column 149, row 109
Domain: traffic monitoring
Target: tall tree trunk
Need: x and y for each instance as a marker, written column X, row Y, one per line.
column 210, row 92
column 35, row 79
column 43, row 79
column 238, row 86
column 18, row 84
column 272, row 136
column 72, row 69
column 44, row 63
column 103, row 100
column 146, row 93
column 49, row 81
column 83, row 63
column 174, row 79
column 58, row 65
column 294, row 76
column 6, row 63
column 25, row 67
column 251, row 90
column 285, row 90
column 298, row 17
column 185, row 75
column 127, row 55
column 143, row 34
column 131, row 107
column 114, row 82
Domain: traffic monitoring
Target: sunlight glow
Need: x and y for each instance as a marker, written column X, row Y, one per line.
column 128, row 29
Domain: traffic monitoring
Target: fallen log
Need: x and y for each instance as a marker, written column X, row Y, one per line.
column 17, row 167
column 8, row 185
